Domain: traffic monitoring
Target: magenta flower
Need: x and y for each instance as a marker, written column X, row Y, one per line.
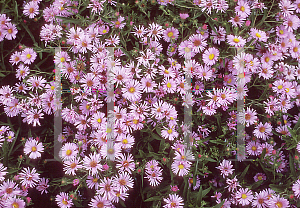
column 184, row 15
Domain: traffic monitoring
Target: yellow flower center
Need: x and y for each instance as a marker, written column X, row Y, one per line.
column 131, row 90
column 180, row 166
column 28, row 56
column 62, row 59
column 244, row 196
column 211, row 56
column 259, row 178
column 125, row 141
column 280, row 87
column 99, row 120
column 262, row 129
column 279, row 204
column 287, row 89
column 9, row 31
column 52, row 87
column 104, row 31
column 254, row 148
column 33, row 149
column 236, row 40
column 169, row 85
column 31, row 10
column 68, row 152
column 258, row 35
column 242, row 8
column 186, row 49
column 281, row 32
column 170, row 131
column 64, row 202
column 295, row 49
column 170, row 34
column 15, row 205
column 267, row 59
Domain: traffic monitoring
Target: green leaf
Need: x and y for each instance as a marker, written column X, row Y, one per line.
column 29, row 32
column 199, row 196
column 154, row 198
column 206, row 191
column 219, row 205
column 292, row 168
column 245, row 171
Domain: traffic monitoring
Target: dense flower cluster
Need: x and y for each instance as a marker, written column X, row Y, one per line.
column 119, row 94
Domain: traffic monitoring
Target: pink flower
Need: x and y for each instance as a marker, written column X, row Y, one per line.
column 244, row 196
column 173, row 201
column 278, row 202
column 226, row 168
column 28, row 56
column 210, row 56
column 63, row 200
column 10, row 32
column 263, row 131
column 183, row 15
column 31, row 9
column 170, row 34
column 76, row 182
column 248, row 22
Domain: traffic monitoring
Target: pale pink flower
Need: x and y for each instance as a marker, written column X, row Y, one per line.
column 31, row 9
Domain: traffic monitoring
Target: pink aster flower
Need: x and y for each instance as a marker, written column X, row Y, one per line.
column 210, row 56
column 292, row 22
column 43, row 185
column 199, row 42
column 259, row 177
column 132, row 90
column 248, row 117
column 10, row 32
column 296, row 188
column 92, row 163
column 263, row 131
column 236, row 41
column 22, row 71
column 99, row 201
column 184, row 15
column 28, row 56
column 287, row 7
column 34, row 116
column 260, row 200
column 226, row 168
column 258, row 35
column 169, row 133
column 181, row 167
column 237, row 20
column 63, row 200
column 185, row 48
column 170, row 34
column 244, row 196
column 252, row 148
column 106, row 189
column 155, row 31
column 174, row 201
column 31, row 9
column 15, row 58
column 29, row 177
column 278, row 202
column 14, row 202
column 243, row 9
column 33, row 148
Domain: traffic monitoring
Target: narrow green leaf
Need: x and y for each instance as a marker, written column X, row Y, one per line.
column 219, row 205
column 199, row 196
column 291, row 164
column 245, row 171
column 154, row 198
column 206, row 191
